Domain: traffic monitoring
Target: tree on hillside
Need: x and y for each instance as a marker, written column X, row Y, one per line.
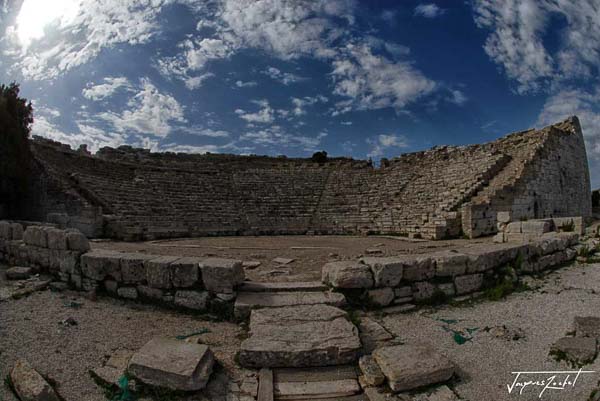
column 16, row 117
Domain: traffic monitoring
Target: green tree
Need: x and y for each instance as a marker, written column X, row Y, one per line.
column 16, row 117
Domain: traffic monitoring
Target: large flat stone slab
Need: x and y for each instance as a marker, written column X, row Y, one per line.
column 247, row 301
column 174, row 364
column 255, row 286
column 29, row 384
column 411, row 366
column 300, row 336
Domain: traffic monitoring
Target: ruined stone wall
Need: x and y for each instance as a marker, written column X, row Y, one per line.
column 442, row 192
column 548, row 176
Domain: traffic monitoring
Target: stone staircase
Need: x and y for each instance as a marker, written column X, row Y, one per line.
column 306, row 347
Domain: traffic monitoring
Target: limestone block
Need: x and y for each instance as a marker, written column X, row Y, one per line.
column 514, row 227
column 69, row 261
column 5, row 230
column 387, row 271
column 403, row 292
column 537, row 227
column 503, row 217
column 16, row 231
column 418, row 267
column 300, row 336
column 149, row 292
column 127, row 292
column 99, row 264
column 158, row 271
column 196, row 300
column 35, row 235
column 411, row 366
column 19, row 273
column 447, row 288
column 423, row 290
column 347, row 274
column 221, row 275
column 449, row 263
column 133, row 270
column 381, row 296
column 111, row 286
column 580, row 350
column 57, row 239
column 373, row 375
column 76, row 241
column 468, row 283
column 29, row 384
column 173, row 364
column 185, row 272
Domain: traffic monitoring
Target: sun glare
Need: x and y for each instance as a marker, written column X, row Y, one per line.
column 36, row 15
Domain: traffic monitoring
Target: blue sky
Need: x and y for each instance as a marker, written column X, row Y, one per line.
column 356, row 78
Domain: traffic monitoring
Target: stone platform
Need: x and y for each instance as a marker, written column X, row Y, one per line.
column 300, row 336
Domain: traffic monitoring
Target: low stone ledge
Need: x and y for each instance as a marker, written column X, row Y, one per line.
column 347, row 274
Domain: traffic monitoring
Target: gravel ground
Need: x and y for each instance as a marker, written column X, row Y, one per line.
column 541, row 316
column 317, row 250
column 30, row 328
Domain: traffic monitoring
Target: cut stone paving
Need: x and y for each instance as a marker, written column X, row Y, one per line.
column 247, row 301
column 300, row 336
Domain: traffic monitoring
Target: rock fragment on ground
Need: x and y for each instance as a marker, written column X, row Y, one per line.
column 283, row 261
column 587, row 326
column 410, row 366
column 578, row 351
column 19, row 273
column 372, row 374
column 29, row 384
column 174, row 364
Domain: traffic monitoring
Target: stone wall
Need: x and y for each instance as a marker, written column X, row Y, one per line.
column 134, row 194
column 201, row 284
column 442, row 275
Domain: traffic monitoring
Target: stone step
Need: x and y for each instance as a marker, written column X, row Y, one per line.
column 247, row 301
column 256, row 286
column 300, row 336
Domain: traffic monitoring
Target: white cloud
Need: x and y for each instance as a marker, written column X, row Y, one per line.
column 275, row 135
column 200, row 131
column 518, row 29
column 149, row 112
column 197, row 81
column 79, row 33
column 457, row 97
column 265, row 115
column 248, row 84
column 346, row 122
column 428, row 10
column 584, row 104
column 380, row 144
column 107, row 89
column 301, row 103
column 372, row 82
column 285, row 78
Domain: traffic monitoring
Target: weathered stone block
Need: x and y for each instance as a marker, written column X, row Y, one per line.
column 347, row 274
column 580, row 350
column 503, row 217
column 373, row 376
column 174, row 364
column 97, row 265
column 35, row 235
column 514, row 227
column 468, row 283
column 423, row 290
column 185, row 272
column 133, row 270
column 221, row 275
column 16, row 231
column 387, row 271
column 411, row 366
column 57, row 239
column 29, row 384
column 18, row 273
column 381, row 296
column 69, row 261
column 449, row 264
column 418, row 268
column 76, row 241
column 111, row 286
column 149, row 292
column 5, row 230
column 537, row 227
column 196, row 300
column 158, row 271
column 127, row 292
column 403, row 292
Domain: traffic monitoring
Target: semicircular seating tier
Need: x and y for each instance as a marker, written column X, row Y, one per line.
column 134, row 194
